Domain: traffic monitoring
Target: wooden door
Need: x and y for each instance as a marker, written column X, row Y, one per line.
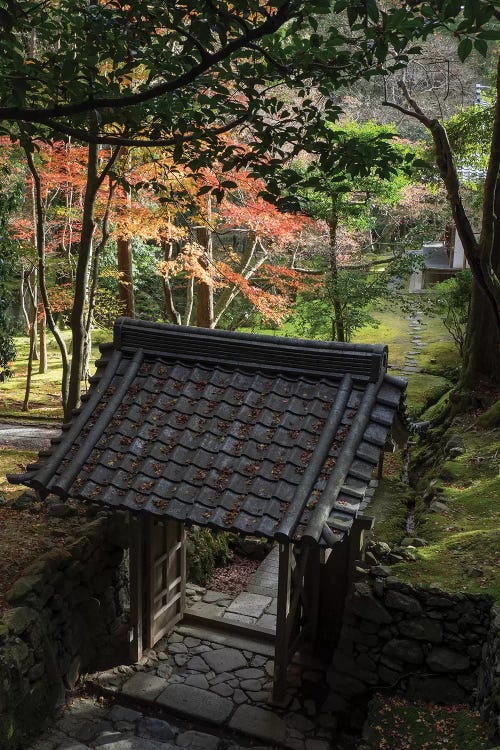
column 157, row 579
column 166, row 591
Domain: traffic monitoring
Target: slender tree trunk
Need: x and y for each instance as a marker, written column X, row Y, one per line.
column 126, row 279
column 94, row 281
column 29, row 373
column 42, row 330
column 189, row 302
column 170, row 311
column 41, row 252
column 204, row 291
column 77, row 318
column 338, row 324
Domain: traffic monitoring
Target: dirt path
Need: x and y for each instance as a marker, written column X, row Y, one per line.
column 26, row 437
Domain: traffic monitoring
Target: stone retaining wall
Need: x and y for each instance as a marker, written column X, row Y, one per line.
column 398, row 637
column 488, row 690
column 66, row 618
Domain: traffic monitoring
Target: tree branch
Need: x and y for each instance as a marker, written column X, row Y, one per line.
column 271, row 24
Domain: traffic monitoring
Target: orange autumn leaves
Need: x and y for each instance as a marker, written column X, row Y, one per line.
column 146, row 196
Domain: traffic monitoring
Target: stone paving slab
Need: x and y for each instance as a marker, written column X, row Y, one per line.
column 251, row 605
column 259, row 723
column 193, row 701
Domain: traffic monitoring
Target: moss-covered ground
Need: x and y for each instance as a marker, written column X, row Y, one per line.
column 399, row 724
column 463, row 554
column 45, row 398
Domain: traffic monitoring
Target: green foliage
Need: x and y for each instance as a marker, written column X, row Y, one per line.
column 10, row 198
column 206, row 549
column 359, row 292
column 450, row 300
column 169, row 70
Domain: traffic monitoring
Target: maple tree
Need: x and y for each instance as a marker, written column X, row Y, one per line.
column 243, row 253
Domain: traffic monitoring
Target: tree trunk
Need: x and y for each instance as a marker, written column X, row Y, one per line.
column 39, row 221
column 169, row 308
column 338, row 330
column 126, row 279
column 77, row 318
column 29, row 373
column 42, row 330
column 204, row 291
column 482, row 343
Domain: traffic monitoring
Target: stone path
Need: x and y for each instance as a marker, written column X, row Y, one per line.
column 200, row 693
column 27, row 437
column 255, row 607
column 416, row 324
column 225, row 681
column 91, row 723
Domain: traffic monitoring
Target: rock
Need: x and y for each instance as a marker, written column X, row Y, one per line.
column 370, row 558
column 455, row 452
column 446, row 660
column 435, row 690
column 437, row 506
column 379, row 549
column 197, row 740
column 422, row 629
column 364, row 604
column 28, row 586
column 225, row 660
column 402, row 602
column 414, row 541
column 156, row 729
column 60, row 510
column 257, row 722
column 144, row 686
column 404, row 650
column 197, row 680
column 196, row 703
column 120, row 713
column 25, row 501
column 380, row 571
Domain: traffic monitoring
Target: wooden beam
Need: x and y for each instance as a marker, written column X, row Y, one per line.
column 282, row 632
column 136, row 590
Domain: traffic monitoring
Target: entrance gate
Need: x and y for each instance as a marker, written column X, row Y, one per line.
column 157, row 579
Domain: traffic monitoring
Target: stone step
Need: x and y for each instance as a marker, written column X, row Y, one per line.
column 258, row 640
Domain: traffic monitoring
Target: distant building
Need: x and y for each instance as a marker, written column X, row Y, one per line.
column 442, row 260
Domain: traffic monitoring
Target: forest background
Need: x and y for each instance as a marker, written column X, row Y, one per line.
column 280, row 194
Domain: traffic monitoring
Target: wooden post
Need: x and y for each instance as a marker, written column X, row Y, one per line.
column 380, row 466
column 312, row 578
column 282, row 625
column 204, row 292
column 356, row 541
column 136, row 588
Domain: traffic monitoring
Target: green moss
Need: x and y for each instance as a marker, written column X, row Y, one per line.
column 464, row 541
column 490, row 418
column 45, row 399
column 437, row 410
column 390, row 509
column 423, row 391
column 206, row 549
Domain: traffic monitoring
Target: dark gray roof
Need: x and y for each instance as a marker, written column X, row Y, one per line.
column 263, row 435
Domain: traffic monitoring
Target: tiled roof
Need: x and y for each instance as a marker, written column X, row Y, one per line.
column 263, row 435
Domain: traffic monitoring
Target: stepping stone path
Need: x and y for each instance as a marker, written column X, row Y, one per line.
column 223, row 684
column 415, row 328
column 255, row 607
column 198, row 688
